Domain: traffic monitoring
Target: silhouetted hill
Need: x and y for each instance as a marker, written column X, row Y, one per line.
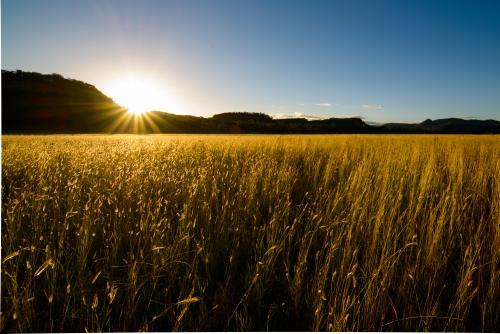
column 445, row 125
column 38, row 103
column 262, row 123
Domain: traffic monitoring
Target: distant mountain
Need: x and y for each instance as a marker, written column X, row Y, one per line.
column 38, row 103
column 244, row 122
column 446, row 125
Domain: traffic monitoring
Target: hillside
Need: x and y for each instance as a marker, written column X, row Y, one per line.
column 39, row 103
column 446, row 125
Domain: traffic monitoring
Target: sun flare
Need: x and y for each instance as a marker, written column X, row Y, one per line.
column 139, row 95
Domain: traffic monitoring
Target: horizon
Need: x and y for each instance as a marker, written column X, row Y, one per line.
column 400, row 63
column 276, row 116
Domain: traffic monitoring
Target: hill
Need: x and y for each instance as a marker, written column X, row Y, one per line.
column 40, row 103
column 446, row 125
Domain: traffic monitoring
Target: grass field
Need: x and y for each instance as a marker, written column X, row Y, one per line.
column 113, row 233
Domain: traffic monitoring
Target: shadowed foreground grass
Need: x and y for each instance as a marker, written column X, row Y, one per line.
column 114, row 233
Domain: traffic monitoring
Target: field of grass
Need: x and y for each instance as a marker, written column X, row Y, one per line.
column 113, row 233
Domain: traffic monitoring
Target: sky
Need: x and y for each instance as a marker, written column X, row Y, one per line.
column 385, row 61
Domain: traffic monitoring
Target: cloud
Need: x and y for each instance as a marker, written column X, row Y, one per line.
column 373, row 106
column 296, row 115
column 323, row 104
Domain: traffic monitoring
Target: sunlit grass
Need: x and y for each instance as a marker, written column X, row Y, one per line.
column 114, row 233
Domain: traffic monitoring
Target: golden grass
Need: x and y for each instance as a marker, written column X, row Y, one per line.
column 113, row 233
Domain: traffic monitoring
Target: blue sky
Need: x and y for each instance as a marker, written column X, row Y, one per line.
column 382, row 60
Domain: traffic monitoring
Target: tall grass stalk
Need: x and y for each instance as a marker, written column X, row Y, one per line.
column 126, row 233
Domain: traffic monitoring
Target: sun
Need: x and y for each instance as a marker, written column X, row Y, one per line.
column 139, row 95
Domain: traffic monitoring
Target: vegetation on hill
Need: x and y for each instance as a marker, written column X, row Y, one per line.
column 37, row 103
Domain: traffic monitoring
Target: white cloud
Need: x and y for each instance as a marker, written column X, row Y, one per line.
column 323, row 104
column 296, row 115
column 373, row 106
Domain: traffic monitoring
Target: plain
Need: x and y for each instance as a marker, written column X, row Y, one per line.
column 201, row 232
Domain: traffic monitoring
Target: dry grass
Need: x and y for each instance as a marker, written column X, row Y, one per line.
column 118, row 233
